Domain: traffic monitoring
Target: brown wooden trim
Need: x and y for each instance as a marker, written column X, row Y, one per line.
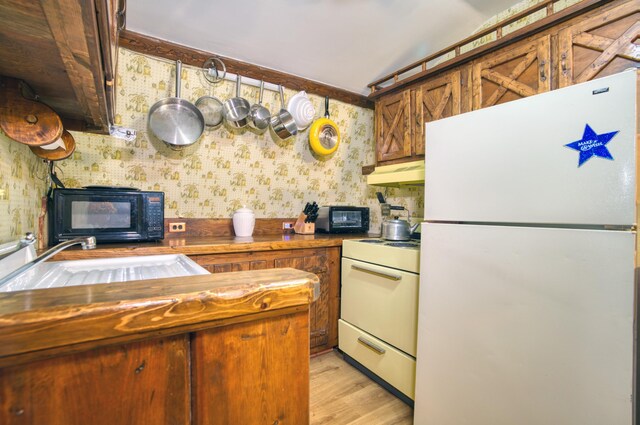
column 368, row 169
column 145, row 44
column 540, row 25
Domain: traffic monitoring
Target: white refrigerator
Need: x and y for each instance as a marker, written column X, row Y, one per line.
column 527, row 300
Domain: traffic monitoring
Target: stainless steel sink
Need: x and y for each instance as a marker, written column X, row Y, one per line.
column 55, row 274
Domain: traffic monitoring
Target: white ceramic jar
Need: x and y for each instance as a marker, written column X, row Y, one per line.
column 244, row 220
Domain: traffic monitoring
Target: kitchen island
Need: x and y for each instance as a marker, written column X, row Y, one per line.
column 218, row 253
column 208, row 349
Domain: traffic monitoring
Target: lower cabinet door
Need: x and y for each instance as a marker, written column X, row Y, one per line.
column 389, row 363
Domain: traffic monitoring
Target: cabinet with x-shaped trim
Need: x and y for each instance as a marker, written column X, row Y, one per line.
column 400, row 117
column 519, row 71
column 597, row 43
column 601, row 44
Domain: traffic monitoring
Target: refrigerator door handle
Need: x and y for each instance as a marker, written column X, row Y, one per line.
column 371, row 345
column 377, row 272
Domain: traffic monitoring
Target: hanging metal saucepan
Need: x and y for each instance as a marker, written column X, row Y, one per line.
column 324, row 135
column 236, row 110
column 260, row 116
column 283, row 123
column 176, row 121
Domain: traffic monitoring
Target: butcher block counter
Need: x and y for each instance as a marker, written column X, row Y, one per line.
column 203, row 245
column 207, row 349
column 318, row 254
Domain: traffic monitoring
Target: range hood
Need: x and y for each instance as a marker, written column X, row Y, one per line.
column 397, row 175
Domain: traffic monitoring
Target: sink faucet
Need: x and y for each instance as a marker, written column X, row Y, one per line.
column 28, row 239
column 87, row 242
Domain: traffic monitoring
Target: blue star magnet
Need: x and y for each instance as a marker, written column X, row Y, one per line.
column 592, row 144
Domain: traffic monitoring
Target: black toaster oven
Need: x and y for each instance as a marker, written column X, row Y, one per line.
column 342, row 219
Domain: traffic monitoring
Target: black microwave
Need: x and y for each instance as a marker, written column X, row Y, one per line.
column 336, row 219
column 108, row 213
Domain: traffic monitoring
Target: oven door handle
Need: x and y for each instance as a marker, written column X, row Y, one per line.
column 371, row 345
column 377, row 272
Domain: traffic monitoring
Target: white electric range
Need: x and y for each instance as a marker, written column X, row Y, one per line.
column 379, row 311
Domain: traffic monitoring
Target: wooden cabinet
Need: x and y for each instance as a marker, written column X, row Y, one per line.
column 400, row 117
column 75, row 43
column 437, row 98
column 324, row 262
column 393, row 126
column 597, row 43
column 219, row 349
column 603, row 43
column 252, row 373
column 515, row 72
column 138, row 383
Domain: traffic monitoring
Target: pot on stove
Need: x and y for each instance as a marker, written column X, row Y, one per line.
column 397, row 230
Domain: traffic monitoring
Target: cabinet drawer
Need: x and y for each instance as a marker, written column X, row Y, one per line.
column 389, row 363
column 382, row 301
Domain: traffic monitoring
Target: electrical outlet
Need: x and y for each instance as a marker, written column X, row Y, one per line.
column 177, row 227
column 287, row 225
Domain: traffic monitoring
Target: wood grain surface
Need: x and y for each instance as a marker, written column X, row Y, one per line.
column 208, row 245
column 253, row 373
column 142, row 43
column 139, row 383
column 58, row 153
column 55, row 48
column 26, row 121
column 342, row 395
column 44, row 319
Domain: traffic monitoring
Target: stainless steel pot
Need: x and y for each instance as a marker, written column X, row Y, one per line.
column 176, row 121
column 260, row 116
column 397, row 230
column 283, row 123
column 236, row 110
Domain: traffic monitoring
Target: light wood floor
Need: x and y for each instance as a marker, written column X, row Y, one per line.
column 341, row 395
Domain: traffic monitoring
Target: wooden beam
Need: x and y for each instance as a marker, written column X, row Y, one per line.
column 145, row 44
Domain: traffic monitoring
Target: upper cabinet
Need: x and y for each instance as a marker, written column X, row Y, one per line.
column 518, row 71
column 435, row 99
column 400, row 117
column 601, row 44
column 66, row 51
column 580, row 46
column 393, row 126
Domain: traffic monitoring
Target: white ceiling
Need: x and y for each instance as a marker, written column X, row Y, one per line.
column 343, row 43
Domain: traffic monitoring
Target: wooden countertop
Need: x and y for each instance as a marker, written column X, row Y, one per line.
column 40, row 323
column 197, row 245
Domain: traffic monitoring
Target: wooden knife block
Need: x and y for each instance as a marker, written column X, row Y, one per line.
column 303, row 228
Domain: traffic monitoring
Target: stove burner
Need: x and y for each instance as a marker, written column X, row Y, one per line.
column 371, row 241
column 403, row 244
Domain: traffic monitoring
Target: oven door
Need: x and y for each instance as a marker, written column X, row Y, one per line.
column 352, row 220
column 381, row 301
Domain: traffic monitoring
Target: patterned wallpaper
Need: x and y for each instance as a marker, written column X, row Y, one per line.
column 22, row 184
column 227, row 169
